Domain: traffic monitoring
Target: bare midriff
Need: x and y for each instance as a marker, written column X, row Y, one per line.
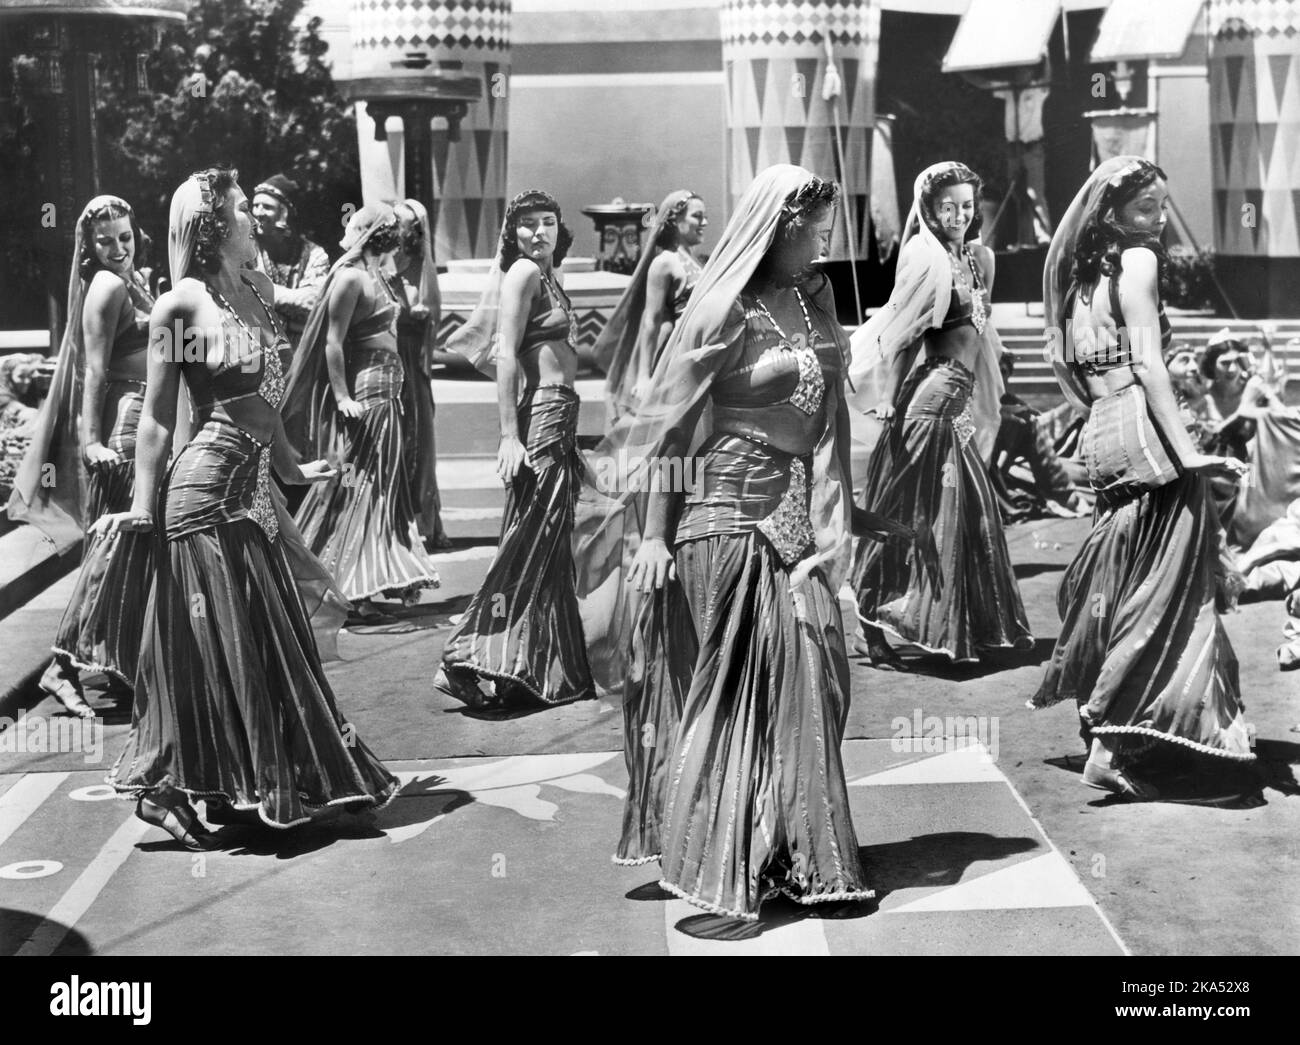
column 961, row 344
column 129, row 365
column 549, row 363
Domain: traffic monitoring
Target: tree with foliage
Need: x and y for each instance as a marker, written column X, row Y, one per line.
column 243, row 83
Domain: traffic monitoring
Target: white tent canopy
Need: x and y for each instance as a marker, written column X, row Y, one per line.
column 1134, row 29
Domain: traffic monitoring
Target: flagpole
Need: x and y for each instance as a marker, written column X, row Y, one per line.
column 830, row 92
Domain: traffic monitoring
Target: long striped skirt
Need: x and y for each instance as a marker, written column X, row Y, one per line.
column 361, row 524
column 102, row 627
column 756, row 801
column 1142, row 651
column 663, row 653
column 928, row 475
column 523, row 630
column 418, row 434
column 231, row 699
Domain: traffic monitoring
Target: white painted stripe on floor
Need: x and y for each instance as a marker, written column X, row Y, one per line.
column 24, row 798
column 970, row 765
column 805, row 937
column 1092, row 902
column 1044, row 881
column 65, row 914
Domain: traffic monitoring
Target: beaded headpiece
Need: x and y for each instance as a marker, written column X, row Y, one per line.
column 207, row 197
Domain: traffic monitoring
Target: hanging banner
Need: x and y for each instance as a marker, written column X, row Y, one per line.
column 1122, row 132
column 885, row 217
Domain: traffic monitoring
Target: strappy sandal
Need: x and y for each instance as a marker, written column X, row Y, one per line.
column 179, row 820
column 62, row 682
column 1117, row 782
column 874, row 647
column 459, row 686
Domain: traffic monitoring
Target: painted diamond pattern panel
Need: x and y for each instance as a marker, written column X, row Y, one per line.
column 1242, row 19
column 776, row 66
column 1255, row 117
column 765, row 23
column 383, row 29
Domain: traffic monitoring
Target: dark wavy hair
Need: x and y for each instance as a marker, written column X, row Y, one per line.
column 88, row 263
column 388, row 236
column 1103, row 239
column 214, row 229
column 957, row 174
column 803, row 204
column 411, row 241
column 667, row 238
column 532, row 199
column 1210, row 360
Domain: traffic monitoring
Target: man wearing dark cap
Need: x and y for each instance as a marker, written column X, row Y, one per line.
column 296, row 265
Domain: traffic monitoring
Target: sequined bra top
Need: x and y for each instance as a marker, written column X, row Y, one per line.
column 773, row 372
column 1097, row 357
column 244, row 366
column 960, row 309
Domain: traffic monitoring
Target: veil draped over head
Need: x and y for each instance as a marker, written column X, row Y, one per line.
column 426, row 281
column 607, row 531
column 311, row 417
column 54, row 500
column 1058, row 271
column 920, row 299
column 615, row 348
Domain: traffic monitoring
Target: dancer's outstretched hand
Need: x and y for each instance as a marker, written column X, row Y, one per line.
column 98, row 453
column 350, row 408
column 1216, row 467
column 511, row 455
column 317, row 471
column 119, row 522
column 653, row 565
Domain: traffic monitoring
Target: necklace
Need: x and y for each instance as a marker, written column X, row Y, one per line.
column 271, row 391
column 556, row 294
column 808, row 393
column 979, row 312
column 272, row 386
column 785, row 341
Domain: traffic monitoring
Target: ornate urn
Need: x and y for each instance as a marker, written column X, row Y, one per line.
column 620, row 227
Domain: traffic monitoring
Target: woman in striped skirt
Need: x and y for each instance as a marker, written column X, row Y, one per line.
column 1142, row 653
column 82, row 460
column 344, row 404
column 927, row 366
column 232, row 705
column 522, row 632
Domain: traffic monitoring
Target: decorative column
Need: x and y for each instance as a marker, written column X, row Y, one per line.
column 1254, row 70
column 54, row 56
column 443, row 67
column 775, row 54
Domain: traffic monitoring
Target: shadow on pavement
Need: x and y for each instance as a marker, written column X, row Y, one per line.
column 17, row 927
column 993, row 662
column 936, row 860
column 1183, row 778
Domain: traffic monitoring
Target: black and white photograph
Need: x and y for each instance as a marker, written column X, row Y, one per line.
column 650, row 478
